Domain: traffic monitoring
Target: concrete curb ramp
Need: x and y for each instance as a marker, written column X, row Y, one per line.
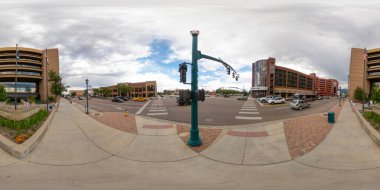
column 156, row 142
column 347, row 146
column 259, row 146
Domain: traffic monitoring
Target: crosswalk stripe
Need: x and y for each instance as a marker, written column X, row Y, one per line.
column 156, row 110
column 157, row 113
column 249, row 113
column 249, row 109
column 248, row 118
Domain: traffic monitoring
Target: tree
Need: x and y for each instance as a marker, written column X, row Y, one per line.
column 358, row 94
column 375, row 94
column 123, row 89
column 3, row 95
column 106, row 92
column 96, row 91
column 73, row 94
column 57, row 87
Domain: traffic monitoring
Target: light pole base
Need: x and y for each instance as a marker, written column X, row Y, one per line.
column 194, row 139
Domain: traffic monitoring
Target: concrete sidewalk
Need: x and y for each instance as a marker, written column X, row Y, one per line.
column 347, row 146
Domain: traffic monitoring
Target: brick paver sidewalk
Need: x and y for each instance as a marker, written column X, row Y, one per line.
column 117, row 120
column 305, row 133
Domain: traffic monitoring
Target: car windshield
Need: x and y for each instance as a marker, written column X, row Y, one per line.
column 295, row 101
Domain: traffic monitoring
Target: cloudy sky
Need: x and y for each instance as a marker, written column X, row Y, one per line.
column 115, row 41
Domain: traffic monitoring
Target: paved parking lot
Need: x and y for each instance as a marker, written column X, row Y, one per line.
column 213, row 111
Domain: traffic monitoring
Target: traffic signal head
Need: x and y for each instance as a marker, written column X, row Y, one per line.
column 182, row 72
column 228, row 70
column 237, row 77
column 200, row 95
column 233, row 75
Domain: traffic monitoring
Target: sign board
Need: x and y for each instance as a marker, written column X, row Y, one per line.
column 260, row 88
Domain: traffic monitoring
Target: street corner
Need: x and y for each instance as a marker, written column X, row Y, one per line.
column 152, row 126
column 207, row 135
column 166, row 148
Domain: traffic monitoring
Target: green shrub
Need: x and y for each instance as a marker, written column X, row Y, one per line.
column 373, row 118
column 31, row 99
column 358, row 94
column 27, row 123
column 51, row 99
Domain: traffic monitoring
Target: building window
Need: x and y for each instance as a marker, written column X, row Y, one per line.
column 24, row 87
column 292, row 79
column 280, row 77
column 302, row 82
column 309, row 84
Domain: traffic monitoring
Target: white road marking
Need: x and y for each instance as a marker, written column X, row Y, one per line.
column 248, row 118
column 118, row 108
column 142, row 108
column 156, row 110
column 248, row 109
column 157, row 113
column 282, row 108
column 249, row 113
column 260, row 103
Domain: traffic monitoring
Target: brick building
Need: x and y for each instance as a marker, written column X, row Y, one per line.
column 364, row 73
column 138, row 89
column 31, row 71
column 269, row 79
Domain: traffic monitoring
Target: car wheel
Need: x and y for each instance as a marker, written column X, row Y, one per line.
column 272, row 103
column 282, row 102
column 300, row 108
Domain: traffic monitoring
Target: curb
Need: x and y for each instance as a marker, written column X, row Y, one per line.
column 20, row 151
column 372, row 133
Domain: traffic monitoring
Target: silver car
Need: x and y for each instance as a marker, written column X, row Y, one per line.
column 299, row 104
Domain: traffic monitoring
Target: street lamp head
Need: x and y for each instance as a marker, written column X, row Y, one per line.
column 86, row 81
column 194, row 32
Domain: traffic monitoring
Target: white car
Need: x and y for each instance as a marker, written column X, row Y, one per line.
column 265, row 99
column 277, row 100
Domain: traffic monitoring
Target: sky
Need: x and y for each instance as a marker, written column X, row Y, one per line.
column 114, row 41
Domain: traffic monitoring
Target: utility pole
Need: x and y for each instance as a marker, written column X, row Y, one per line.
column 196, row 95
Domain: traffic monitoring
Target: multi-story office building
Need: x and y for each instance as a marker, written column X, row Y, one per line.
column 364, row 73
column 269, row 79
column 139, row 89
column 31, row 71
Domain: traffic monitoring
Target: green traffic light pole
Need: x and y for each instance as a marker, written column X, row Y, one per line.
column 194, row 139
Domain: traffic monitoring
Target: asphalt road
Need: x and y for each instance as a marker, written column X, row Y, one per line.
column 230, row 111
column 106, row 105
column 213, row 111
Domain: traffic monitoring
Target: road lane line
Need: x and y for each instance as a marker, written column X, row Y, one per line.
column 249, row 113
column 157, row 113
column 142, row 108
column 248, row 118
column 156, row 110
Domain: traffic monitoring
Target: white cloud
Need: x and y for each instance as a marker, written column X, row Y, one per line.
column 106, row 41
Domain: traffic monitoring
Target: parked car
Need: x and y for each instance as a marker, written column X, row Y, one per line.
column 80, row 97
column 122, row 97
column 277, row 100
column 140, row 99
column 153, row 98
column 299, row 104
column 116, row 99
column 244, row 98
column 265, row 99
column 320, row 98
column 226, row 95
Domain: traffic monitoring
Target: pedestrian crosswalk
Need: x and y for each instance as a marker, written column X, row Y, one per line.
column 157, row 108
column 248, row 112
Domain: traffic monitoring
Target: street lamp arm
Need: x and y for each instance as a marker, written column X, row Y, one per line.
column 218, row 60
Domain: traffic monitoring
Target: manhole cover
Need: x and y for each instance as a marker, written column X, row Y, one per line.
column 209, row 120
